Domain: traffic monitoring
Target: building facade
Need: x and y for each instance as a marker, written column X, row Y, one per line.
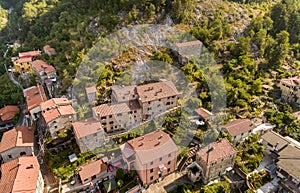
column 34, row 97
column 290, row 91
column 43, row 70
column 89, row 134
column 153, row 156
column 16, row 143
column 7, row 115
column 94, row 170
column 58, row 114
column 215, row 159
column 21, row 175
column 239, row 129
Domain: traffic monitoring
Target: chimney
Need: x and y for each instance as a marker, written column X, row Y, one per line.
column 160, row 136
column 31, row 166
column 158, row 142
column 275, row 147
column 141, row 144
column 19, row 163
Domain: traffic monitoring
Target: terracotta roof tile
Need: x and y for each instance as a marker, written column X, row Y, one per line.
column 34, row 96
column 9, row 173
column 86, row 127
column 20, row 175
column 155, row 91
column 91, row 169
column 239, row 126
column 53, row 113
column 54, row 102
column 152, row 146
column 8, row 112
column 17, row 137
column 111, row 109
column 24, row 60
column 29, row 54
column 40, row 66
column 203, row 113
column 218, row 150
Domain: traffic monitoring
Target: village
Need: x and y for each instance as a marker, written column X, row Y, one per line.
column 46, row 133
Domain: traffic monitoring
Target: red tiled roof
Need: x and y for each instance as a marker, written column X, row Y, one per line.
column 86, row 127
column 203, row 113
column 17, row 137
column 191, row 43
column 40, row 66
column 91, row 89
column 151, row 146
column 239, row 126
column 50, row 115
column 49, row 49
column 23, row 60
column 8, row 112
column 111, row 109
column 34, row 96
column 20, row 175
column 155, row 91
column 29, row 54
column 91, row 169
column 218, row 150
column 54, row 102
column 294, row 81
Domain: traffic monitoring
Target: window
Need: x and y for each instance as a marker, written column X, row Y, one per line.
column 103, row 118
column 169, row 162
column 9, row 156
column 168, row 103
column 169, row 170
column 55, row 126
column 149, row 102
column 119, row 114
column 111, row 122
column 168, row 97
column 160, row 158
column 135, row 111
column 110, row 116
column 103, row 124
column 130, row 112
column 22, row 153
column 173, row 97
column 159, row 99
column 151, row 170
column 151, row 178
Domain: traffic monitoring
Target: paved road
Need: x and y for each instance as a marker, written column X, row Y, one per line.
column 12, row 78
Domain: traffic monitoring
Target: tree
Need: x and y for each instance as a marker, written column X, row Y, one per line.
column 220, row 187
column 278, row 52
column 120, row 174
column 120, row 183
